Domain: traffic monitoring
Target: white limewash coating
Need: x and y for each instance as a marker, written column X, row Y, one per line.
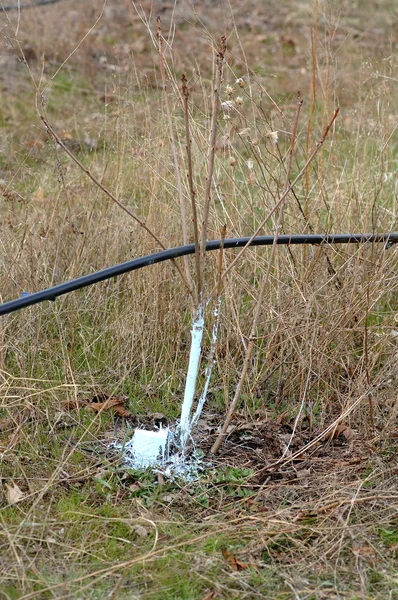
column 193, row 367
column 148, row 447
column 209, row 367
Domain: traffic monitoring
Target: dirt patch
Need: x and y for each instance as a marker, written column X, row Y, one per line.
column 271, row 449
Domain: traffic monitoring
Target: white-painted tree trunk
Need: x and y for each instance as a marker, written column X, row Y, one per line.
column 210, row 364
column 192, row 375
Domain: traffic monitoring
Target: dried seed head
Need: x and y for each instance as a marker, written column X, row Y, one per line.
column 232, row 161
column 250, row 164
column 227, row 105
column 240, row 82
column 244, row 132
column 229, row 90
column 239, row 100
column 274, row 136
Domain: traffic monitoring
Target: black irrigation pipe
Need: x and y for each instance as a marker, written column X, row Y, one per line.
column 132, row 265
column 20, row 6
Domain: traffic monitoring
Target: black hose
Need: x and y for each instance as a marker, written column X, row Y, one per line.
column 132, row 265
column 20, row 6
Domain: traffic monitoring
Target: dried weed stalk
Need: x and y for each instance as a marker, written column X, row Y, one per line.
column 258, row 308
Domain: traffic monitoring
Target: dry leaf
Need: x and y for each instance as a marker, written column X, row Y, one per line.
column 5, row 424
column 13, row 493
column 135, row 487
column 158, row 419
column 140, row 530
column 342, row 430
column 236, row 564
column 209, row 596
column 51, row 540
column 70, row 405
column 38, row 194
column 365, row 552
column 169, row 498
column 115, row 403
column 35, row 143
column 108, row 98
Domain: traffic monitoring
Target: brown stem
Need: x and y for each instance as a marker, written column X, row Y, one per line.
column 211, row 154
column 252, row 337
column 314, row 40
column 174, row 151
column 126, row 209
column 293, row 140
column 366, row 353
column 283, row 196
column 185, row 95
column 250, row 346
column 220, row 260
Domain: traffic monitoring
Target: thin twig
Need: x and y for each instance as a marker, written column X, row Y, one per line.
column 213, row 345
column 250, row 346
column 180, row 189
column 108, row 193
column 321, row 436
column 314, row 40
column 185, row 96
column 283, row 196
column 301, row 407
column 211, row 154
column 293, row 140
column 258, row 308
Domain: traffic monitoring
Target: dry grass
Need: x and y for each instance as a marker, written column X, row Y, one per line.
column 326, row 332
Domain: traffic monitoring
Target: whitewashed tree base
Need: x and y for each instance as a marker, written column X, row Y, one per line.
column 146, row 448
column 192, row 375
column 151, row 450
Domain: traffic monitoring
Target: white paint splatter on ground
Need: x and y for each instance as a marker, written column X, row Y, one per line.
column 146, row 448
column 157, row 450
